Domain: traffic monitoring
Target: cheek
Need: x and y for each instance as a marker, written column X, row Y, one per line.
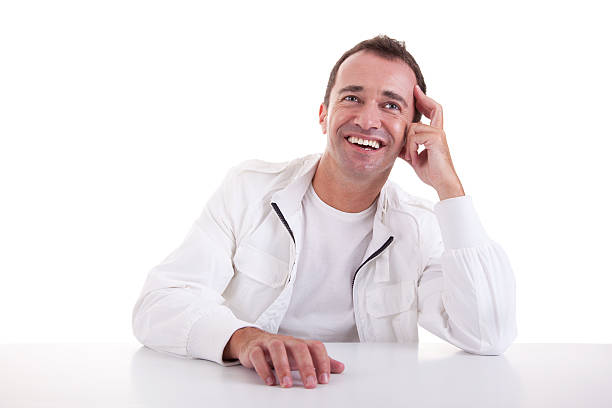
column 397, row 129
column 337, row 118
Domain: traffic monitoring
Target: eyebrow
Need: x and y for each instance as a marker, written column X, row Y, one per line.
column 387, row 93
column 351, row 88
column 394, row 96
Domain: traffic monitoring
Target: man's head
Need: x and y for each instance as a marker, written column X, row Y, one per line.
column 369, row 96
column 384, row 47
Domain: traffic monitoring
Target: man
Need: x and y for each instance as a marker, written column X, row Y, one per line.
column 325, row 248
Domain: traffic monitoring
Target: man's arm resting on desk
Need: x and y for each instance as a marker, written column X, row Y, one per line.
column 259, row 349
column 466, row 293
column 181, row 308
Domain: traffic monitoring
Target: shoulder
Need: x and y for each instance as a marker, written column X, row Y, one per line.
column 255, row 179
column 406, row 209
column 403, row 202
column 256, row 167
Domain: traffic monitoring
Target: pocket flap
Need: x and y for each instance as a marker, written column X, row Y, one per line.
column 391, row 299
column 260, row 266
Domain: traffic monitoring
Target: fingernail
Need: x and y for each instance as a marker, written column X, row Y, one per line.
column 324, row 378
column 286, row 381
column 270, row 381
column 311, row 381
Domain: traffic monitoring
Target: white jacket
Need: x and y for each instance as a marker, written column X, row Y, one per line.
column 428, row 264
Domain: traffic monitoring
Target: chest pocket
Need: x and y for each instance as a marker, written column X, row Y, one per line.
column 393, row 309
column 391, row 299
column 258, row 280
column 260, row 266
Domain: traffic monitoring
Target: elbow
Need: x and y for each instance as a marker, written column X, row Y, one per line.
column 140, row 325
column 148, row 315
column 498, row 345
column 495, row 349
column 137, row 327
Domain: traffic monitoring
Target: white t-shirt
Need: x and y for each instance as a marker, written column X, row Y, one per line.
column 334, row 245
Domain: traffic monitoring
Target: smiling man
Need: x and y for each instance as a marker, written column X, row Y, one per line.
column 286, row 256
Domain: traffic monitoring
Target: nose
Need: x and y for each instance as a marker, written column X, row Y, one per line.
column 368, row 116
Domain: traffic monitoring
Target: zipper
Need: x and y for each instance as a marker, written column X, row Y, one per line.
column 283, row 220
column 286, row 224
column 374, row 255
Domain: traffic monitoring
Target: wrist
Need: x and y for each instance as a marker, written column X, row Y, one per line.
column 232, row 348
column 450, row 191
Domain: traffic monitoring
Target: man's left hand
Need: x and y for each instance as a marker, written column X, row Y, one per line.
column 433, row 165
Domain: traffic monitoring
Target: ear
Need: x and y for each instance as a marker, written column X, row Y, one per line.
column 323, row 118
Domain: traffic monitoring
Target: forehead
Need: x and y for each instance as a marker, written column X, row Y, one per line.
column 376, row 73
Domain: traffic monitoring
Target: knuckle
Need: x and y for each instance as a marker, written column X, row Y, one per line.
column 318, row 347
column 302, row 348
column 255, row 352
column 275, row 344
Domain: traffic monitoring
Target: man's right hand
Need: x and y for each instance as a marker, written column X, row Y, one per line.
column 261, row 350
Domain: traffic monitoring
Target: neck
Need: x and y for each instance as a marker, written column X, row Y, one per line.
column 345, row 192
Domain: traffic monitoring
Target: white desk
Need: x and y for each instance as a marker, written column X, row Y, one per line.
column 376, row 375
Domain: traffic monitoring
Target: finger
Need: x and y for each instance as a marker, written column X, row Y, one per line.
column 277, row 351
column 258, row 359
column 437, row 121
column 301, row 354
column 424, row 133
column 423, row 128
column 320, row 360
column 417, row 140
column 336, row 366
column 403, row 151
column 428, row 107
column 411, row 145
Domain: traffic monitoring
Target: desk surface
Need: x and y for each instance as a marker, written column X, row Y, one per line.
column 376, row 375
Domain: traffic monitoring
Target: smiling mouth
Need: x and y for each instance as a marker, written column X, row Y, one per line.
column 364, row 144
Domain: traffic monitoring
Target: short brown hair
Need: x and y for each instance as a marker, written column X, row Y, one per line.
column 385, row 47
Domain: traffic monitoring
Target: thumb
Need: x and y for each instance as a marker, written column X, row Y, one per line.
column 336, row 366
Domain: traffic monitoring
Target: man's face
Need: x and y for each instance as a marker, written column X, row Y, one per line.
column 372, row 100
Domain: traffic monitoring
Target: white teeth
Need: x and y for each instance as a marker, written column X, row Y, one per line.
column 370, row 143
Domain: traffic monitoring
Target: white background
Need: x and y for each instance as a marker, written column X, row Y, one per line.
column 119, row 118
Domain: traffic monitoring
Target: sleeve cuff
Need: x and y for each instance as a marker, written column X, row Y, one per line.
column 459, row 223
column 209, row 335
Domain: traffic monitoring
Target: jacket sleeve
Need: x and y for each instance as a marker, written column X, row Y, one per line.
column 466, row 293
column 180, row 309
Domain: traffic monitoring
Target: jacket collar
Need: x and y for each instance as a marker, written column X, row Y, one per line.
column 289, row 200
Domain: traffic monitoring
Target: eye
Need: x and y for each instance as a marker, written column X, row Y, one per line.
column 350, row 96
column 393, row 105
